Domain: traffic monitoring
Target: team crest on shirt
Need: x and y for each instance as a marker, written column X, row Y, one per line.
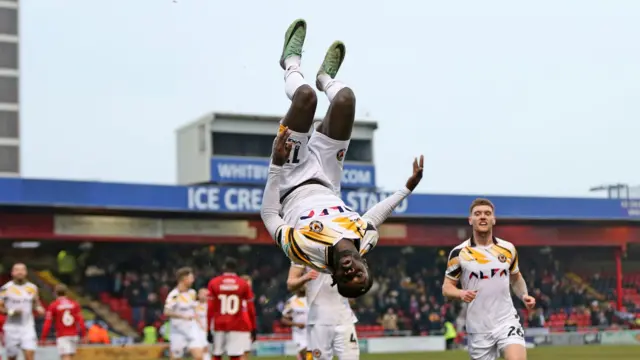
column 316, row 226
column 502, row 258
column 340, row 154
column 317, row 353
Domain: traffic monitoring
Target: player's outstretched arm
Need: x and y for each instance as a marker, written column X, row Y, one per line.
column 37, row 304
column 270, row 210
column 48, row 321
column 451, row 277
column 450, row 288
column 379, row 213
column 519, row 287
column 518, row 284
column 298, row 278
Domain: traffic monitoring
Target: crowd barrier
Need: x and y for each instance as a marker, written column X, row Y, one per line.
column 623, row 337
column 113, row 352
column 383, row 345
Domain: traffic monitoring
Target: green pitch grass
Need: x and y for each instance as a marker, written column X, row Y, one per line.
column 544, row 353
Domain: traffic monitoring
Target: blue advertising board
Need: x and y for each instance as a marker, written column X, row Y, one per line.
column 247, row 200
column 243, row 171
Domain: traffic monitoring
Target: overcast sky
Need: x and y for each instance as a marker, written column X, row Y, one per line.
column 501, row 97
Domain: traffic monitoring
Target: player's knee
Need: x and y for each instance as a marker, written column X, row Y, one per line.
column 345, row 98
column 515, row 352
column 305, row 97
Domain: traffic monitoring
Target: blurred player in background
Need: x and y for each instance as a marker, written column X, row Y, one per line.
column 18, row 299
column 485, row 266
column 295, row 315
column 317, row 229
column 180, row 308
column 227, row 294
column 201, row 320
column 2, row 319
column 331, row 327
column 66, row 317
column 248, row 316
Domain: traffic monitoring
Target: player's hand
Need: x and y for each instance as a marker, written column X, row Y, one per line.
column 281, row 148
column 299, row 326
column 414, row 180
column 468, row 295
column 40, row 310
column 529, row 301
column 311, row 275
column 16, row 312
column 254, row 335
column 188, row 317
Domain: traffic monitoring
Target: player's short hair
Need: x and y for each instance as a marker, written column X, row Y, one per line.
column 230, row 264
column 480, row 202
column 183, row 272
column 61, row 289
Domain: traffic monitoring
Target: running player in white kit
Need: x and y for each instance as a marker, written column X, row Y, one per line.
column 316, row 228
column 331, row 327
column 295, row 315
column 485, row 266
column 201, row 320
column 180, row 308
column 18, row 299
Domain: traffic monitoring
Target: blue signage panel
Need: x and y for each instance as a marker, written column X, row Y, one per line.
column 253, row 171
column 247, row 200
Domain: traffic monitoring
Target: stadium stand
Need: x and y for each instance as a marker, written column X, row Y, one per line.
column 130, row 282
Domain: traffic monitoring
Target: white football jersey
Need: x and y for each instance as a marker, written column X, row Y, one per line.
column 296, row 307
column 321, row 220
column 201, row 315
column 486, row 269
column 182, row 303
column 326, row 305
column 19, row 297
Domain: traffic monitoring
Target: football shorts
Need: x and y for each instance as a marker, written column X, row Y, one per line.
column 327, row 341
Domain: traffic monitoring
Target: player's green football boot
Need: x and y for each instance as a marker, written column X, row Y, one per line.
column 332, row 61
column 293, row 40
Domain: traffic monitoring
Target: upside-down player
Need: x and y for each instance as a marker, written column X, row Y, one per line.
column 485, row 266
column 295, row 315
column 66, row 317
column 180, row 308
column 232, row 335
column 318, row 230
column 201, row 320
column 18, row 299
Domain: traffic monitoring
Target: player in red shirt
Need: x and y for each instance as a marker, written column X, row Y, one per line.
column 231, row 333
column 247, row 316
column 2, row 319
column 66, row 316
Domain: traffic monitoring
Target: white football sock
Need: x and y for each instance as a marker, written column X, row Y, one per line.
column 293, row 79
column 293, row 60
column 330, row 86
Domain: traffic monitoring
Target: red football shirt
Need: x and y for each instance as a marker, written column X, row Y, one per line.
column 228, row 292
column 66, row 316
column 245, row 314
